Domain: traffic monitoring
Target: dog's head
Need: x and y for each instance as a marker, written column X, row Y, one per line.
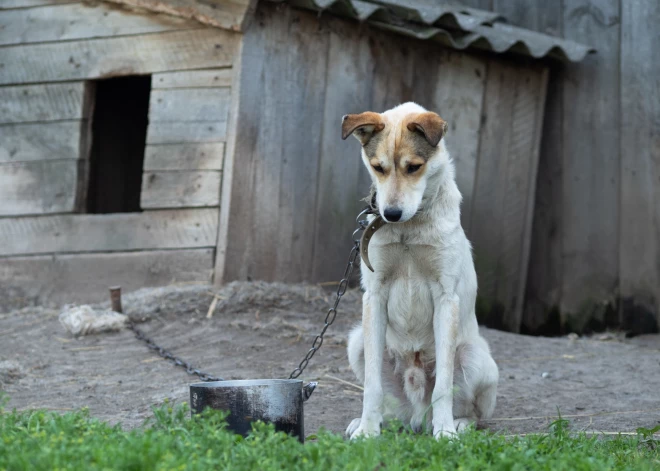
column 403, row 150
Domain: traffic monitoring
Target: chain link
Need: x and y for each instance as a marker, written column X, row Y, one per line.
column 330, row 316
column 191, row 370
column 341, row 290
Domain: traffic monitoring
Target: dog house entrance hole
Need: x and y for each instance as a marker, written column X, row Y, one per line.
column 118, row 137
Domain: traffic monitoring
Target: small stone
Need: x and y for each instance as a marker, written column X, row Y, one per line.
column 512, row 377
column 545, row 374
column 10, row 371
column 573, row 336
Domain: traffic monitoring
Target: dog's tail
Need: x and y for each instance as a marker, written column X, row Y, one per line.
column 414, row 381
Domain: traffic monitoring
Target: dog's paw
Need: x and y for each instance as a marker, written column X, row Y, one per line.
column 352, row 427
column 448, row 430
column 463, row 424
column 361, row 428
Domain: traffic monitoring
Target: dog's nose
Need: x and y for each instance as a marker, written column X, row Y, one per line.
column 392, row 214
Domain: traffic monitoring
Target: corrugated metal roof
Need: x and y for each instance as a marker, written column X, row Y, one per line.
column 451, row 25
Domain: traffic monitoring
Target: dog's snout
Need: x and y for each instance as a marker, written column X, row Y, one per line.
column 392, row 214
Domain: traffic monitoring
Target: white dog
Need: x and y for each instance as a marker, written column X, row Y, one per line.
column 419, row 342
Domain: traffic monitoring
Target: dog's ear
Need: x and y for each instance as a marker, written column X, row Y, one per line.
column 429, row 125
column 363, row 126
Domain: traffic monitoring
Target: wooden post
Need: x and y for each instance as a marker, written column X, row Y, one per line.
column 115, row 298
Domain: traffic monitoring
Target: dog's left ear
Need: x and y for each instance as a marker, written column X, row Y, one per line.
column 430, row 125
column 363, row 125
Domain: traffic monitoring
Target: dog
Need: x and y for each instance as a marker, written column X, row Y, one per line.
column 418, row 350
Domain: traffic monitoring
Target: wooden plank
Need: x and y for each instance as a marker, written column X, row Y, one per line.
column 348, row 87
column 591, row 163
column 190, row 104
column 180, row 189
column 488, row 203
column 231, row 15
column 221, row 268
column 268, row 203
column 80, row 21
column 544, row 276
column 458, row 98
column 49, row 102
column 255, row 205
column 38, row 187
column 201, row 156
column 210, row 78
column 169, row 229
column 186, row 132
column 39, row 141
column 9, row 4
column 109, row 57
column 58, row 279
column 519, row 191
column 504, row 194
column 303, row 84
column 543, row 290
column 639, row 248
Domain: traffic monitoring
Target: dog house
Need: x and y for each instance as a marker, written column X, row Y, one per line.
column 145, row 142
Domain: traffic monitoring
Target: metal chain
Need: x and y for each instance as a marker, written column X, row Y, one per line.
column 341, row 289
column 318, row 340
column 191, row 370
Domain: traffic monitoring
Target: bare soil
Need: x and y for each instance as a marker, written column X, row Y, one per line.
column 261, row 330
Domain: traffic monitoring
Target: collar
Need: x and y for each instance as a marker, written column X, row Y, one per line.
column 368, row 233
column 371, row 229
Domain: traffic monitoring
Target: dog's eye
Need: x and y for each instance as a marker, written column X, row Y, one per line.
column 378, row 169
column 414, row 168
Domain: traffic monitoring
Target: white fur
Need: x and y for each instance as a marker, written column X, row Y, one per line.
column 418, row 346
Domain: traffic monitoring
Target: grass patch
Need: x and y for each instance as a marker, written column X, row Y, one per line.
column 36, row 440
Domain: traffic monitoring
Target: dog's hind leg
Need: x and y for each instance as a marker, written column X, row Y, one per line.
column 356, row 352
column 475, row 384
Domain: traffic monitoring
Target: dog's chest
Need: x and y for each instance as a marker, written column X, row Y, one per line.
column 399, row 255
column 407, row 270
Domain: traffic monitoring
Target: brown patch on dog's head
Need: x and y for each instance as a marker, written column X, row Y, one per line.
column 429, row 125
column 363, row 126
column 397, row 147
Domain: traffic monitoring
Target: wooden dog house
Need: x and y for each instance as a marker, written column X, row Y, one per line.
column 144, row 142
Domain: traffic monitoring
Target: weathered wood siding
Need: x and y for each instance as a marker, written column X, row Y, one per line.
column 185, row 139
column 56, row 279
column 48, row 50
column 639, row 245
column 595, row 258
column 296, row 186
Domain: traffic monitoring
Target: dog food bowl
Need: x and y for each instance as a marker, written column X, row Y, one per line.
column 276, row 401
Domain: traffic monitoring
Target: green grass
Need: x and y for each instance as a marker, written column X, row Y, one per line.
column 35, row 440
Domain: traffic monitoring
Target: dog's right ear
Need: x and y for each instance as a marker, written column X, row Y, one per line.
column 363, row 126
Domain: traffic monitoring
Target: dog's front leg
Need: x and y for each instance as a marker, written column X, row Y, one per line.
column 445, row 330
column 374, row 325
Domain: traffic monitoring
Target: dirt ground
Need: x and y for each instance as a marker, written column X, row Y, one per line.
column 259, row 330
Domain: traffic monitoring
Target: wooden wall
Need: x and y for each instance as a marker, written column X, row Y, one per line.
column 49, row 252
column 290, row 207
column 596, row 244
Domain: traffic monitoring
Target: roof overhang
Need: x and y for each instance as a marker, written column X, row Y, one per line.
column 454, row 26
